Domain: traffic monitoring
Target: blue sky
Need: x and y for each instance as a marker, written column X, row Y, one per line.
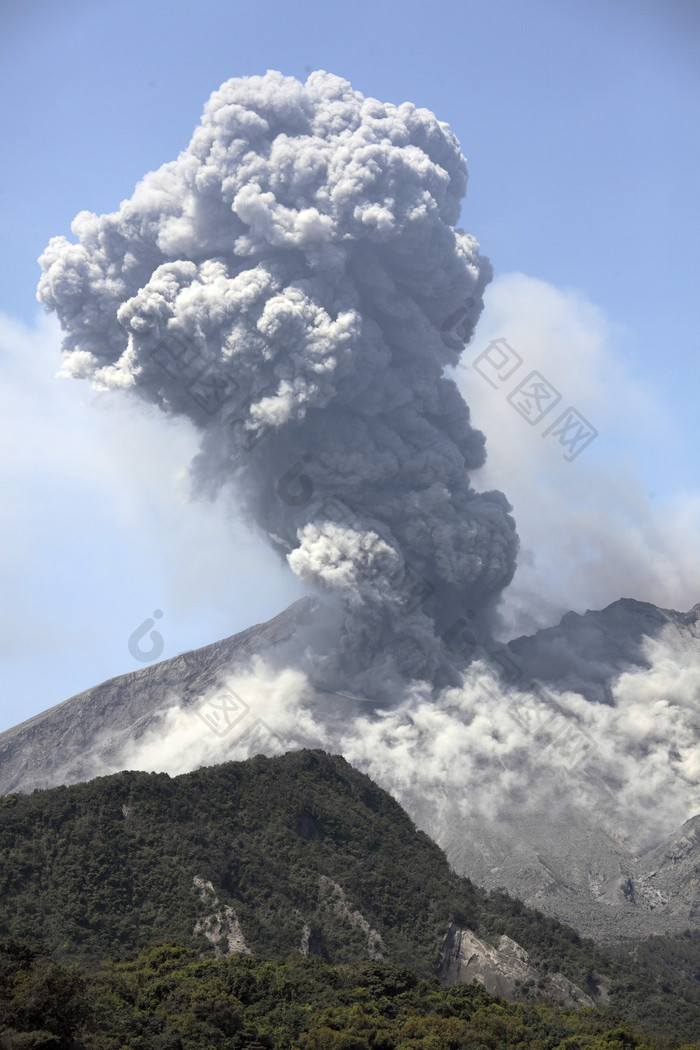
column 579, row 122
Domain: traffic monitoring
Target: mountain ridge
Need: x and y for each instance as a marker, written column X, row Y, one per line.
column 200, row 667
column 581, row 875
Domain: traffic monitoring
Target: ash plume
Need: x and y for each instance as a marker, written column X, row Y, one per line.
column 294, row 283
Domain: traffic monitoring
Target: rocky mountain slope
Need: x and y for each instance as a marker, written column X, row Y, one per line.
column 567, row 862
column 296, row 856
column 591, row 881
column 79, row 738
column 586, row 653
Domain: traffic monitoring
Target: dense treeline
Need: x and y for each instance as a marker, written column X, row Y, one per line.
column 169, row 998
column 657, row 983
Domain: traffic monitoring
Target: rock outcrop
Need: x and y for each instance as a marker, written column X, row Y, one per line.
column 332, row 896
column 220, row 922
column 586, row 652
column 503, row 969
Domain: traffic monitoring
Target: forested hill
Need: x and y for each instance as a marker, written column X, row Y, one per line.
column 290, row 856
column 106, row 867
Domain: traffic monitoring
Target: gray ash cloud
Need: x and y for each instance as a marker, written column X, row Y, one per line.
column 285, row 284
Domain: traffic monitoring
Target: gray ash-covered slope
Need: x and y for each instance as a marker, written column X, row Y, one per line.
column 565, row 862
column 586, row 878
column 585, row 653
column 66, row 743
column 668, row 879
column 79, row 738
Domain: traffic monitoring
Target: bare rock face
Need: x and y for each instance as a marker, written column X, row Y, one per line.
column 502, row 969
column 667, row 879
column 333, row 897
column 564, row 862
column 584, row 877
column 219, row 922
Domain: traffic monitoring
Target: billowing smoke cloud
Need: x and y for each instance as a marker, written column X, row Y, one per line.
column 294, row 284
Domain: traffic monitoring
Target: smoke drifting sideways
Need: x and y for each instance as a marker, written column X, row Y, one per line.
column 295, row 285
column 489, row 772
